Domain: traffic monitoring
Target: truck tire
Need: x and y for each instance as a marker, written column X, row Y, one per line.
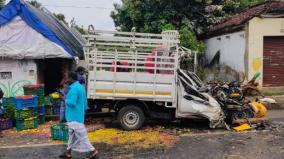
column 131, row 117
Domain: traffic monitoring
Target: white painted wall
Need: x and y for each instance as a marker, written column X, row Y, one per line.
column 23, row 72
column 232, row 49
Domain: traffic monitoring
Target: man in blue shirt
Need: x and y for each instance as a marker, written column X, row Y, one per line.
column 76, row 104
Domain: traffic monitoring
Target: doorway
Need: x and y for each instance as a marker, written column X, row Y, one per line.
column 51, row 71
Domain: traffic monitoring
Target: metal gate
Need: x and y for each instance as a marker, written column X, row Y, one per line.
column 273, row 61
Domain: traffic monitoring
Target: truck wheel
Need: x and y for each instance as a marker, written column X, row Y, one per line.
column 131, row 117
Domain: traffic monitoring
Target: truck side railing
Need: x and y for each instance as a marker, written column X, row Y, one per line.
column 132, row 65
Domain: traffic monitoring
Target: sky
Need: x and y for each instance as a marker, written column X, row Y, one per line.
column 85, row 12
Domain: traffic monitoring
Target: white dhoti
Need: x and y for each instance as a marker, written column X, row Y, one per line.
column 78, row 138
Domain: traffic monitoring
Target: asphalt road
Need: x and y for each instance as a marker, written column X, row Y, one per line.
column 250, row 145
column 263, row 144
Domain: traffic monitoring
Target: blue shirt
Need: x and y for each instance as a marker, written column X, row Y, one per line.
column 76, row 103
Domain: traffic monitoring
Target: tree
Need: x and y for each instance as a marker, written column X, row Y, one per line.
column 189, row 17
column 61, row 17
column 2, row 3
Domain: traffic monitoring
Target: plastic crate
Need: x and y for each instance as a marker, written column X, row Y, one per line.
column 8, row 101
column 27, row 101
column 59, row 132
column 56, row 110
column 26, row 113
column 48, row 100
column 41, row 110
column 25, row 124
column 6, row 123
column 2, row 110
column 41, row 101
column 51, row 101
column 41, row 119
column 48, row 110
column 34, row 89
column 56, row 101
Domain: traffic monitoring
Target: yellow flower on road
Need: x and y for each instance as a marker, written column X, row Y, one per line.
column 142, row 138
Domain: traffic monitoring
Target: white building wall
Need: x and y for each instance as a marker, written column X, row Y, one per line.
column 231, row 47
column 16, row 73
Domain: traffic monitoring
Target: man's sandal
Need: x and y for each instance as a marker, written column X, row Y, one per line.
column 65, row 156
column 93, row 155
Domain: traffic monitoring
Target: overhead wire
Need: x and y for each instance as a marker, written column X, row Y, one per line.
column 71, row 6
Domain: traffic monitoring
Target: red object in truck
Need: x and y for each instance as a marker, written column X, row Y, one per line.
column 148, row 65
column 120, row 66
column 150, row 60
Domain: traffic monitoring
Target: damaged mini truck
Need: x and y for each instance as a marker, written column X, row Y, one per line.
column 137, row 76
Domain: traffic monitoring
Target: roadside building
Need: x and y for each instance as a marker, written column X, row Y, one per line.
column 251, row 42
column 35, row 47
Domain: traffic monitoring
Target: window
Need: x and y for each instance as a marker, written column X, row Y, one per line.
column 31, row 72
column 5, row 75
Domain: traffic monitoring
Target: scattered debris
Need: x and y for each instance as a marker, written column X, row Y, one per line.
column 242, row 127
column 251, row 88
column 267, row 100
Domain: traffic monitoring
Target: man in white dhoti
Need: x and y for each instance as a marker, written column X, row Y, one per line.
column 76, row 104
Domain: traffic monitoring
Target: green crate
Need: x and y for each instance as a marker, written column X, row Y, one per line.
column 48, row 100
column 29, row 91
column 25, row 124
column 41, row 100
column 34, row 90
column 59, row 132
column 41, row 119
column 26, row 113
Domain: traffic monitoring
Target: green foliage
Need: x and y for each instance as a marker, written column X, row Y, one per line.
column 188, row 37
column 201, row 73
column 80, row 29
column 189, row 17
column 2, row 3
column 247, row 3
column 61, row 17
column 10, row 111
